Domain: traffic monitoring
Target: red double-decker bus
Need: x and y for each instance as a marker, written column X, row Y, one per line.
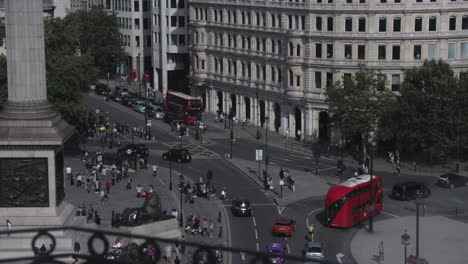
column 349, row 202
column 180, row 107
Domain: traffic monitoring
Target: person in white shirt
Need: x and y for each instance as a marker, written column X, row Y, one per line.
column 68, row 171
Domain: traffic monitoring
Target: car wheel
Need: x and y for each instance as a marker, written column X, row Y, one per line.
column 451, row 186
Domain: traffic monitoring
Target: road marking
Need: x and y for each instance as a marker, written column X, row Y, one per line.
column 329, row 168
column 258, row 247
column 287, row 246
column 264, row 204
column 280, row 209
column 256, row 234
column 255, row 223
column 283, row 159
column 242, row 256
column 396, row 216
column 311, row 212
column 300, row 157
column 339, row 256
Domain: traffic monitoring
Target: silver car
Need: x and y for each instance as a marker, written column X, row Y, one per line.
column 158, row 113
column 314, row 250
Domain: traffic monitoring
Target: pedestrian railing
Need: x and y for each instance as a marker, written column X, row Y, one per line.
column 100, row 248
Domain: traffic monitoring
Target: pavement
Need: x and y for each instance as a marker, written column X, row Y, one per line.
column 435, row 246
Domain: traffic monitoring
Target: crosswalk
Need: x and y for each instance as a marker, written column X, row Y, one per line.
column 196, row 151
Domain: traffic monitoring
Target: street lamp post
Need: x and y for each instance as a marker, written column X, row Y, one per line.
column 267, row 160
column 138, row 74
column 316, row 156
column 181, row 185
column 371, row 214
column 232, row 139
column 418, row 203
column 257, row 109
column 405, row 240
column 170, row 173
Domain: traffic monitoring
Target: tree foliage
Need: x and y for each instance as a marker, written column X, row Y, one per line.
column 99, row 37
column 358, row 104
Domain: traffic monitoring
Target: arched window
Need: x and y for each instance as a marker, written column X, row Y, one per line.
column 383, row 24
column 418, row 24
column 329, row 23
column 465, row 23
column 362, row 24
column 298, row 50
column 397, row 24
column 291, row 49
column 433, row 23
column 349, row 24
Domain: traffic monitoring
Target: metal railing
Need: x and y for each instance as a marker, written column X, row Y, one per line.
column 202, row 253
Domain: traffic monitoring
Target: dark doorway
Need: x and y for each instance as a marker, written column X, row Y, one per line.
column 324, row 125
column 234, row 104
column 220, row 102
column 277, row 110
column 262, row 113
column 298, row 121
column 247, row 107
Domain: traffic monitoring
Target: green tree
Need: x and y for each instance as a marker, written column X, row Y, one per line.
column 433, row 107
column 358, row 104
column 99, row 37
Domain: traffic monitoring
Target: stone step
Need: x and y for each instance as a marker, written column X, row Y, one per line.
column 67, row 211
column 55, row 233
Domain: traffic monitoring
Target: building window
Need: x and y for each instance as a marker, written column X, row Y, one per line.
column 464, row 50
column 347, row 80
column 453, row 23
column 173, row 3
column 137, row 40
column 465, row 23
column 396, row 24
column 417, row 52
column 136, row 6
column 329, row 51
column 348, row 51
column 298, row 50
column 382, row 52
column 291, row 78
column 431, row 51
column 362, row 24
column 451, row 50
column 361, row 52
column 182, row 40
column 173, row 21
column 318, row 50
column 418, row 24
column 329, row 78
column 182, row 5
column 382, row 24
column 291, row 49
column 181, row 21
column 433, row 24
column 318, row 80
column 173, row 39
column 318, row 24
column 396, row 52
column 348, row 24
column 329, row 23
column 298, row 80
column 395, row 82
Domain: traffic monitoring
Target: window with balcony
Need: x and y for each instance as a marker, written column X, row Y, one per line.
column 418, row 24
column 318, row 50
column 383, row 24
column 465, row 23
column 397, row 24
column 361, row 52
column 396, row 82
column 348, row 51
column 349, row 24
column 433, row 24
column 395, row 52
column 431, row 51
column 452, row 50
column 452, row 23
column 417, row 52
column 329, row 51
column 329, row 23
column 382, row 52
column 362, row 24
column 318, row 23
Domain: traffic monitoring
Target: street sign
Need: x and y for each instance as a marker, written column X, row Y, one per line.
column 148, row 123
column 201, row 125
column 258, row 154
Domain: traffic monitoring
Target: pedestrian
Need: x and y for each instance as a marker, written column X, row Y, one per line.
column 211, row 229
column 298, row 134
column 155, row 170
column 68, row 171
column 381, row 251
column 102, row 196
column 168, row 253
column 151, row 191
column 151, row 253
column 182, row 245
column 176, row 260
column 398, row 170
column 108, row 186
column 129, row 183
column 139, row 190
column 104, row 172
column 9, row 226
column 77, row 247
column 174, row 213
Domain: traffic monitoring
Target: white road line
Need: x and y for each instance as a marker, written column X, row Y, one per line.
column 311, row 212
column 256, row 234
column 287, row 246
column 396, row 216
column 263, row 204
column 300, row 157
column 329, row 168
column 258, row 247
column 255, row 223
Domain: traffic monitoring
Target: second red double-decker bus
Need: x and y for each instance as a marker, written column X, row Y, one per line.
column 349, row 202
column 180, row 107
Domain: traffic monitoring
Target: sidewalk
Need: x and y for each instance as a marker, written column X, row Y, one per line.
column 441, row 240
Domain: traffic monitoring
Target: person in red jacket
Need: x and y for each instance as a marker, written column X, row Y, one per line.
column 108, row 185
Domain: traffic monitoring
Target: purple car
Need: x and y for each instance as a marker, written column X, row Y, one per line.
column 276, row 249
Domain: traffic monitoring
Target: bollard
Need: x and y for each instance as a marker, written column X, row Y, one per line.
column 219, row 217
column 220, row 232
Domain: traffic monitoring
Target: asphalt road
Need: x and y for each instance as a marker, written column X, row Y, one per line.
column 254, row 233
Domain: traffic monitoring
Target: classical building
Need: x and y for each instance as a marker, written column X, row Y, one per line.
column 275, row 58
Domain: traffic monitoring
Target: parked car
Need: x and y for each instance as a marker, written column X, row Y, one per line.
column 101, row 89
column 139, row 106
column 314, row 250
column 450, row 180
column 284, row 226
column 179, row 155
column 158, row 113
column 121, row 90
column 409, row 191
column 241, row 208
column 134, row 150
column 115, row 96
column 277, row 251
column 127, row 100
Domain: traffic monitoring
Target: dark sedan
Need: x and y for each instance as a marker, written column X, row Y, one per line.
column 410, row 191
column 451, row 181
column 241, row 208
column 179, row 155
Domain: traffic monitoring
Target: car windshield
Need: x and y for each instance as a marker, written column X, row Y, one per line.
column 158, row 110
column 283, row 223
column 314, row 250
